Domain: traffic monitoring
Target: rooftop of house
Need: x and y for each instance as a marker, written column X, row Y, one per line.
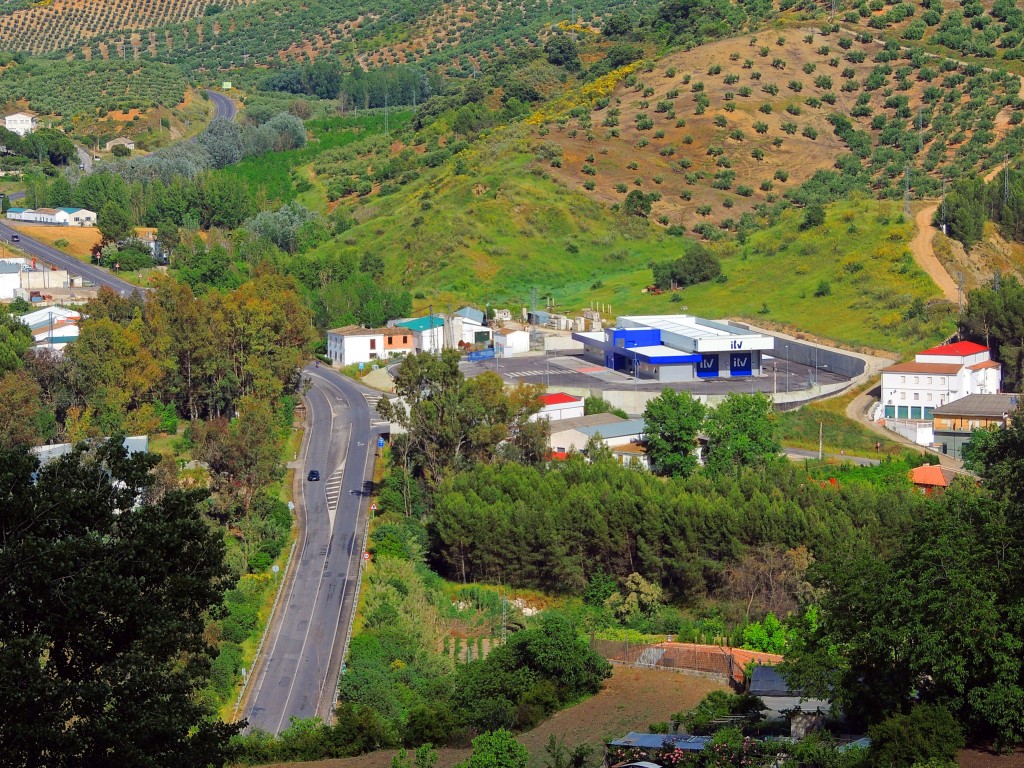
column 593, row 420
column 559, row 398
column 984, row 365
column 358, row 330
column 19, row 114
column 990, row 406
column 17, row 210
column 959, row 349
column 507, row 331
column 619, row 429
column 941, row 369
column 932, row 475
column 469, row 313
column 49, row 211
column 420, row 324
column 681, row 741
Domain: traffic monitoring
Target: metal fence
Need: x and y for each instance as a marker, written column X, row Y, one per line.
column 681, row 656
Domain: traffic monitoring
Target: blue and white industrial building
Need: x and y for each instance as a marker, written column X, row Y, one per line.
column 675, row 348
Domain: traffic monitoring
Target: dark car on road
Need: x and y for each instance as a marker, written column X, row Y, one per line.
column 313, row 475
column 15, row 238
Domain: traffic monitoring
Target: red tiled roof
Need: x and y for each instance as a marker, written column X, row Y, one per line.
column 982, row 366
column 929, row 474
column 961, row 348
column 947, row 369
column 559, row 398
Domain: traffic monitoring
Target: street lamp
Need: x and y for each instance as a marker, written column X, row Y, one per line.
column 787, row 369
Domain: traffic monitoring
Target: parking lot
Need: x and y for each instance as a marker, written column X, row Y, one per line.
column 562, row 371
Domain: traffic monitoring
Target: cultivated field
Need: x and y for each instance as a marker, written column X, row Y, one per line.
column 631, row 700
column 732, row 124
column 55, row 24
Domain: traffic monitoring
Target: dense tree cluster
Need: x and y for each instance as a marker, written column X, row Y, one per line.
column 359, row 88
column 203, row 356
column 995, row 317
column 696, row 265
column 102, row 612
column 556, row 529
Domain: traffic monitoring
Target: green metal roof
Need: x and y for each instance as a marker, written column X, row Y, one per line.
column 421, row 324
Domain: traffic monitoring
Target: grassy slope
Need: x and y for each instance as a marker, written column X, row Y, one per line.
column 859, row 251
column 503, row 227
column 497, row 230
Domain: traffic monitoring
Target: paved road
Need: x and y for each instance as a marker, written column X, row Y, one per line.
column 61, row 260
column 298, row 674
column 84, row 159
column 223, row 107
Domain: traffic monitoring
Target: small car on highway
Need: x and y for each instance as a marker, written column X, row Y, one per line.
column 313, row 476
column 15, row 238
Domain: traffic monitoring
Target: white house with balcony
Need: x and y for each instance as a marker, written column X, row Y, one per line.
column 21, row 123
column 912, row 391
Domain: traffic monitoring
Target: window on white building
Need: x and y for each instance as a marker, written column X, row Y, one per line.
column 917, row 379
column 942, row 380
column 928, row 397
column 917, row 396
column 373, row 343
column 903, row 395
column 929, row 380
column 903, row 379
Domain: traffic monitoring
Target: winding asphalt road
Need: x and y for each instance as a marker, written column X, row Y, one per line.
column 297, row 675
column 223, row 107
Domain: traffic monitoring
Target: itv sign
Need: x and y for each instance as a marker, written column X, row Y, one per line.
column 707, row 368
column 740, row 364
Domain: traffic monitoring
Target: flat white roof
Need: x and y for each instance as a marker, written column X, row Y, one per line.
column 685, row 325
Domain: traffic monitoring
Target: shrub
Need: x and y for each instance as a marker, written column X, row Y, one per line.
column 927, row 733
column 824, row 289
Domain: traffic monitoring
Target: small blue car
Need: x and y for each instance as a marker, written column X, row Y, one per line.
column 313, row 475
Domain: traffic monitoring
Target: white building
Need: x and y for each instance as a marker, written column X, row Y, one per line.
column 938, row 376
column 65, row 217
column 467, row 329
column 508, row 342
column 574, row 434
column 21, row 123
column 503, row 315
column 558, row 406
column 428, row 334
column 673, row 348
column 52, row 327
column 10, row 277
column 354, row 344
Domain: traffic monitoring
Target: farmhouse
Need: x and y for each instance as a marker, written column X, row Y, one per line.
column 353, row 344
column 953, row 423
column 120, row 141
column 673, row 348
column 65, row 217
column 21, row 123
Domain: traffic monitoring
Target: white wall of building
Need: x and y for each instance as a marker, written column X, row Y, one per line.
column 511, row 342
column 20, row 123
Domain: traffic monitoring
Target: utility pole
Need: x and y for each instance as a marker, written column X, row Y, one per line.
column 504, row 618
column 906, row 193
column 821, row 441
column 1006, row 178
column 960, row 293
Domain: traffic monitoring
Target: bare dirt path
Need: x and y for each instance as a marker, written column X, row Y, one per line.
column 924, row 254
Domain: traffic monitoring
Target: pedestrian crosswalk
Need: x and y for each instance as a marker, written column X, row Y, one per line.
column 520, row 374
column 372, row 400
